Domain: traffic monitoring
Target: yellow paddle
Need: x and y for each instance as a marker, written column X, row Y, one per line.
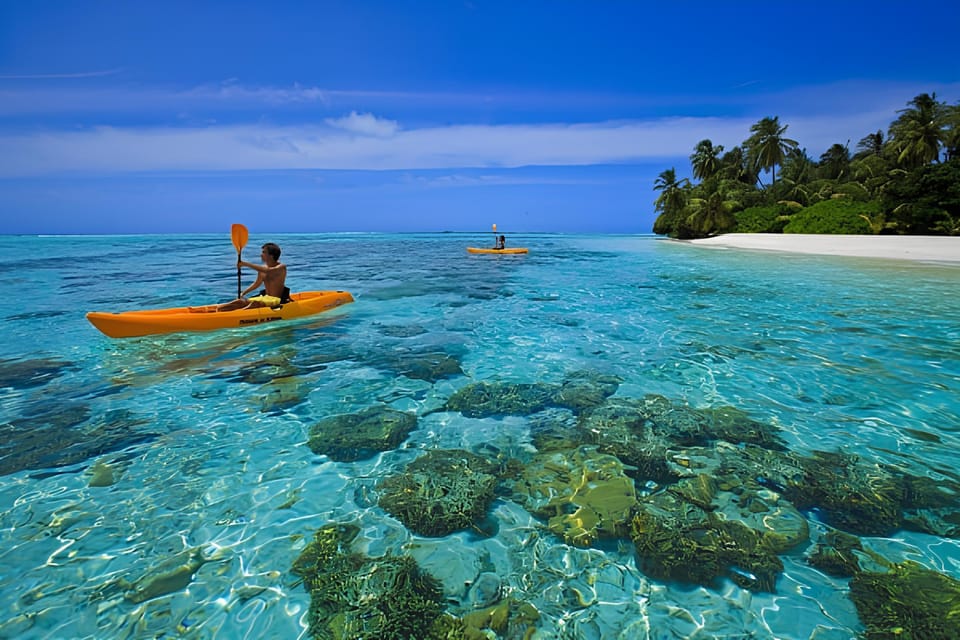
column 238, row 233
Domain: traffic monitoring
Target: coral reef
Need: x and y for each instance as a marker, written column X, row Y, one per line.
column 440, row 492
column 484, row 399
column 582, row 390
column 894, row 600
column 908, row 601
column 358, row 436
column 554, row 429
column 579, row 391
column 620, row 428
column 733, row 425
column 583, row 494
column 853, row 496
column 870, row 499
column 356, row 597
column 677, row 540
column 836, row 554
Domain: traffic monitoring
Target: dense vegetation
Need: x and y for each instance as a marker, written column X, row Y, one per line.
column 907, row 182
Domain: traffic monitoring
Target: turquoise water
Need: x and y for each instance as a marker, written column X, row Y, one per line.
column 204, row 435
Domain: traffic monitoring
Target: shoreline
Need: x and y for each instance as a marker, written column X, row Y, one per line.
column 914, row 248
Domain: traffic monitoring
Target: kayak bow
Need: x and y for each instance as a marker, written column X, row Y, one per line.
column 129, row 324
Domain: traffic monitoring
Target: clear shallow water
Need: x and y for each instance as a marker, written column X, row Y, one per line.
column 206, row 433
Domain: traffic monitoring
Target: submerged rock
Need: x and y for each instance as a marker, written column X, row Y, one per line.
column 102, row 474
column 642, row 432
column 25, row 374
column 358, row 436
column 440, row 492
column 163, row 581
column 431, row 367
column 400, row 330
column 280, row 394
column 60, row 437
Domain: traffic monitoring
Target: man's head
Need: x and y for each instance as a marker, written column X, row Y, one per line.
column 272, row 249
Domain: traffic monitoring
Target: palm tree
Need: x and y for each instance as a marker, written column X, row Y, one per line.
column 798, row 166
column 734, row 166
column 919, row 132
column 711, row 215
column 952, row 136
column 835, row 162
column 672, row 196
column 870, row 145
column 706, row 160
column 767, row 147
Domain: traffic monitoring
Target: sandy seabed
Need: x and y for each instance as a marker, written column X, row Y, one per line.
column 921, row 248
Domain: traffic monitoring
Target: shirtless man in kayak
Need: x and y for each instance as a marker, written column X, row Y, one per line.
column 272, row 274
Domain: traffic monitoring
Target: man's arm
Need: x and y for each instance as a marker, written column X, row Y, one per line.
column 257, row 283
column 261, row 268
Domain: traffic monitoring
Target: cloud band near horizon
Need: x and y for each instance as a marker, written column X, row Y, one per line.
column 364, row 142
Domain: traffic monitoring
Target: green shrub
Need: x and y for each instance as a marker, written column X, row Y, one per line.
column 839, row 215
column 762, row 219
column 852, row 190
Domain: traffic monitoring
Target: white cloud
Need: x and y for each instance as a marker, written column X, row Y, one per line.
column 456, row 180
column 251, row 147
column 363, row 141
column 365, row 124
column 386, row 146
column 61, row 76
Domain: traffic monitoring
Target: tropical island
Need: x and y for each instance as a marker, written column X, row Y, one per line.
column 906, row 182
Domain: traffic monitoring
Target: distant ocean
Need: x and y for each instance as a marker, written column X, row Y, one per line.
column 164, row 486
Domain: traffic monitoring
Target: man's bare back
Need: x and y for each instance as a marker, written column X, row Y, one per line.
column 271, row 275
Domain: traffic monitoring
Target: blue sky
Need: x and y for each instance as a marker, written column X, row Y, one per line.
column 160, row 117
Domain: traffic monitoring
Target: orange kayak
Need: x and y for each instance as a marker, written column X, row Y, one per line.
column 501, row 251
column 129, row 324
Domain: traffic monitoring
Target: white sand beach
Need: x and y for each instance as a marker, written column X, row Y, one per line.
column 921, row 248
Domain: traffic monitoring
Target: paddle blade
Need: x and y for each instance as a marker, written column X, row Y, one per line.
column 494, row 228
column 239, row 234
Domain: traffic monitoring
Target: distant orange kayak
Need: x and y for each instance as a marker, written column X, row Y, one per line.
column 513, row 250
column 130, row 324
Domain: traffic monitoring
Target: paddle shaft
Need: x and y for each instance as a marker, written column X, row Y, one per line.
column 238, row 272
